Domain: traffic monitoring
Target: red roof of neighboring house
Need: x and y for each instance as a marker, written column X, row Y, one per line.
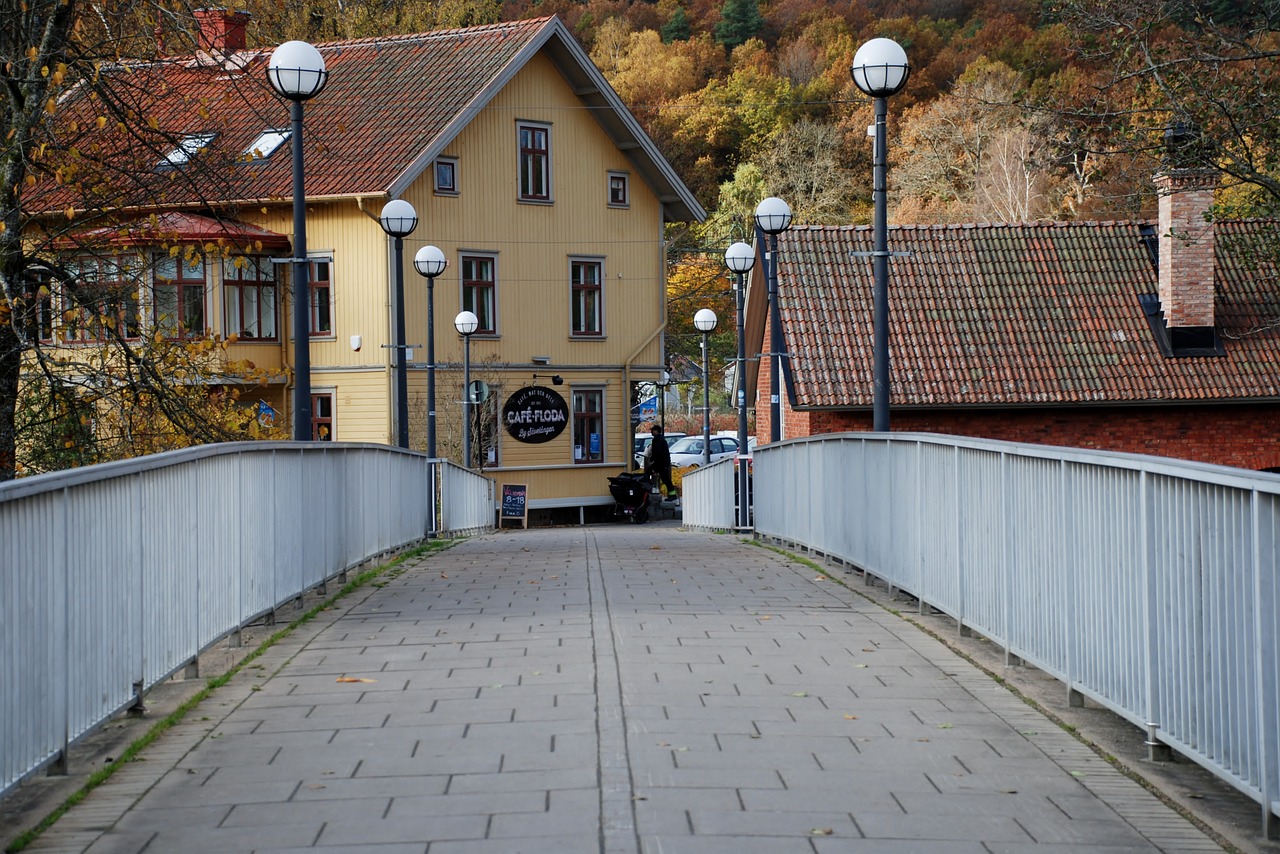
column 1013, row 315
column 391, row 105
column 175, row 227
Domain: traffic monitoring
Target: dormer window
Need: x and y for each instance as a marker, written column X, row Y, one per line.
column 265, row 144
column 619, row 190
column 186, row 150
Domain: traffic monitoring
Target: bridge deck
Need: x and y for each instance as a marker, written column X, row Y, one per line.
column 615, row 689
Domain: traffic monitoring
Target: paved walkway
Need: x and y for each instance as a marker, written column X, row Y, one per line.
column 615, row 689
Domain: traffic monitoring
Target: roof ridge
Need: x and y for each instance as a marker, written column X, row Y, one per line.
column 433, row 35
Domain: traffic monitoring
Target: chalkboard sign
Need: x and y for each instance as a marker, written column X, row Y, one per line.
column 515, row 503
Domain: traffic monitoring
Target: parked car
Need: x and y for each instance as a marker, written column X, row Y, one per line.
column 688, row 452
column 642, row 444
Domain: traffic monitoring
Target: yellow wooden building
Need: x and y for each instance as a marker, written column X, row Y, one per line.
column 546, row 197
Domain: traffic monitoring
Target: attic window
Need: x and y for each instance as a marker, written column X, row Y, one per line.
column 266, row 144
column 185, row 151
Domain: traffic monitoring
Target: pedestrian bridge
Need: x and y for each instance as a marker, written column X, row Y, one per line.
column 1144, row 584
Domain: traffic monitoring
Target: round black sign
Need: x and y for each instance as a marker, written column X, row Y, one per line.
column 535, row 414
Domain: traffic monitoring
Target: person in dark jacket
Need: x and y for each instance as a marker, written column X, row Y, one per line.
column 660, row 459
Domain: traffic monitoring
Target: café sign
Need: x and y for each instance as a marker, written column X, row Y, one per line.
column 535, row 414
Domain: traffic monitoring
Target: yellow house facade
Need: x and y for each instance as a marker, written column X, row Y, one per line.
column 544, row 195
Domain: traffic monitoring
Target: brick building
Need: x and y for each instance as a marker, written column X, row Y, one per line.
column 1157, row 338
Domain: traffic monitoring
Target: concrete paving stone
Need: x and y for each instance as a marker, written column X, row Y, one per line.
column 357, row 848
column 564, row 844
column 341, row 811
column 650, row 778
column 525, row 781
column 433, row 760
column 835, row 845
column 355, row 788
column 666, row 844
column 1046, row 781
column 482, row 803
column 889, row 825
column 576, row 812
column 488, row 709
column 428, row 829
column 841, row 793
column 763, row 823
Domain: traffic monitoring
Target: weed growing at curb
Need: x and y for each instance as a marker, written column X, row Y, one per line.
column 389, row 571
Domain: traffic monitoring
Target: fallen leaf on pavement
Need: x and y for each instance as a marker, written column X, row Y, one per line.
column 354, row 679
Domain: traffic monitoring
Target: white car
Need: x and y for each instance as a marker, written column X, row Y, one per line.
column 643, row 440
column 688, row 452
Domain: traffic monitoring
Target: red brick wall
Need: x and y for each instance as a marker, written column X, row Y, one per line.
column 1245, row 436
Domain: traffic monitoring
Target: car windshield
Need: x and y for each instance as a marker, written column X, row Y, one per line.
column 687, row 445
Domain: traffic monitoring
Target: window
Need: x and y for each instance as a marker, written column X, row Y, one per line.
column 479, row 287
column 266, row 144
column 535, row 162
column 588, row 426
column 446, row 171
column 322, row 417
column 186, row 150
column 104, row 296
column 586, row 295
column 619, row 190
column 35, row 304
column 180, row 293
column 321, row 290
column 249, row 298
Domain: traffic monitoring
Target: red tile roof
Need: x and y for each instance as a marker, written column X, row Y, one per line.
column 1012, row 315
column 391, row 104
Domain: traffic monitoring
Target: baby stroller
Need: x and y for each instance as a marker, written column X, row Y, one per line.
column 630, row 492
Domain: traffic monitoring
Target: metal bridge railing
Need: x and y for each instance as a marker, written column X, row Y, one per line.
column 114, row 577
column 1147, row 584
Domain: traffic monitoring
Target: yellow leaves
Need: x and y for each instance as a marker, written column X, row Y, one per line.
column 44, row 71
column 101, row 122
column 152, row 123
column 32, row 53
column 51, row 106
column 70, row 212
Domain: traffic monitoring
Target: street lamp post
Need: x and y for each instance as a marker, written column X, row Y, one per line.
column 430, row 262
column 466, row 323
column 398, row 220
column 880, row 69
column 296, row 71
column 740, row 258
column 705, row 322
column 773, row 216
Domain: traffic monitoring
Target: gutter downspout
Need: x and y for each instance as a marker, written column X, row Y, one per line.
column 389, row 364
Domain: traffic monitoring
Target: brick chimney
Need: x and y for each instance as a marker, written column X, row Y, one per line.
column 221, row 31
column 1186, row 190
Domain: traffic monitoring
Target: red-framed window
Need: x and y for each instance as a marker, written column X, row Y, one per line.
column 588, row 425
column 102, row 297
column 180, row 289
column 322, row 417
column 535, row 162
column 249, row 298
column 320, row 289
column 480, row 291
column 586, row 296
